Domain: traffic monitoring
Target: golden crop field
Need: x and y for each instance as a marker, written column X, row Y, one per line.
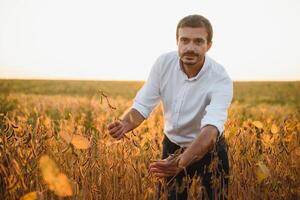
column 54, row 143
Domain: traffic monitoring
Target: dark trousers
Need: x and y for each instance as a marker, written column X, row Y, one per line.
column 214, row 177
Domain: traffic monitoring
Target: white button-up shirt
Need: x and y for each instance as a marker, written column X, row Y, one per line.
column 188, row 103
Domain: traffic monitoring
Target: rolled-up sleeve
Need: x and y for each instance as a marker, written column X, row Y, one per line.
column 216, row 111
column 149, row 95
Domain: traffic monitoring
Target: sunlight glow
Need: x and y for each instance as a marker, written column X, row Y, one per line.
column 120, row 40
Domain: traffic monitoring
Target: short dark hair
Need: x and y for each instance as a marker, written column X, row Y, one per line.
column 195, row 21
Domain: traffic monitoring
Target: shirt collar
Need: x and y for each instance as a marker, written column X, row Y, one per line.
column 200, row 73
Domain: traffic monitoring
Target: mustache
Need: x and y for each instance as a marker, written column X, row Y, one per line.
column 190, row 53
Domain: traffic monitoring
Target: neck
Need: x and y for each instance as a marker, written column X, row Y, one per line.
column 192, row 70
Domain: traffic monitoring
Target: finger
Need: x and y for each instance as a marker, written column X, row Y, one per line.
column 117, row 133
column 159, row 161
column 166, row 173
column 112, row 125
column 121, row 134
column 153, row 164
column 160, row 170
column 114, row 129
column 170, row 157
column 163, row 163
column 156, row 169
column 162, row 175
column 172, row 170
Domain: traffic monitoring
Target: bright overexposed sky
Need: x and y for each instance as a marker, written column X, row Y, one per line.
column 120, row 40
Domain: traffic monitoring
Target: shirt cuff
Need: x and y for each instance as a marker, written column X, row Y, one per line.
column 141, row 109
column 220, row 128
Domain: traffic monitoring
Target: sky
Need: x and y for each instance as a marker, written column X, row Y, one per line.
column 120, row 40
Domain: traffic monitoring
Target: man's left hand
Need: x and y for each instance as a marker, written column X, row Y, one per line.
column 166, row 167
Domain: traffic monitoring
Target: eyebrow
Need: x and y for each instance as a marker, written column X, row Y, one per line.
column 184, row 38
column 198, row 38
column 201, row 39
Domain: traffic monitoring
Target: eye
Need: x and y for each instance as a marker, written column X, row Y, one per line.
column 199, row 41
column 184, row 40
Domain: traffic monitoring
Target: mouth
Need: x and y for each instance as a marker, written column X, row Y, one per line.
column 190, row 55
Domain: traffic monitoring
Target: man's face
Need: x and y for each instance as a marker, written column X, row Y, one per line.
column 192, row 45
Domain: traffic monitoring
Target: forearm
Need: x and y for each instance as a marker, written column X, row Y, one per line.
column 132, row 119
column 200, row 146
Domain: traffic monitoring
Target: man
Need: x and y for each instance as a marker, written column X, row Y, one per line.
column 195, row 92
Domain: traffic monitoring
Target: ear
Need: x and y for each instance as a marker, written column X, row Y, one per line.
column 209, row 45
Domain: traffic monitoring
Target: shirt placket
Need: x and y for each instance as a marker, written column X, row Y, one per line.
column 178, row 104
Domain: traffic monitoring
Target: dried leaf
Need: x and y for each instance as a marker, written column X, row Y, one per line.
column 30, row 196
column 61, row 186
column 16, row 166
column 289, row 138
column 80, row 142
column 258, row 124
column 297, row 151
column 48, row 168
column 56, row 181
column 109, row 143
column 274, row 129
column 261, row 171
column 267, row 139
column 66, row 136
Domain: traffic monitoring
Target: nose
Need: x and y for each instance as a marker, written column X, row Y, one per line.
column 190, row 46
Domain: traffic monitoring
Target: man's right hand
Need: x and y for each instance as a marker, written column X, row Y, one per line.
column 117, row 129
column 130, row 121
